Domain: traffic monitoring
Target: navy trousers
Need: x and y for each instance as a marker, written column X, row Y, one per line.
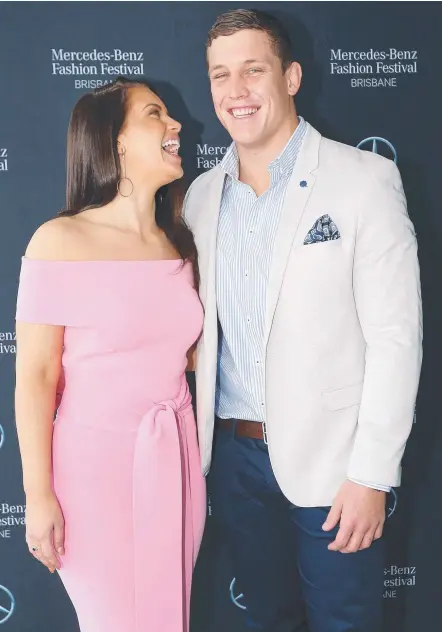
column 291, row 582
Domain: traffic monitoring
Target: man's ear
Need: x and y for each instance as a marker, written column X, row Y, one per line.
column 293, row 75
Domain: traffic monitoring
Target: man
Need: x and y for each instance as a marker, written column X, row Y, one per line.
column 308, row 366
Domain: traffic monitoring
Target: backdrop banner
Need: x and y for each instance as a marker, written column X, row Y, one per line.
column 372, row 80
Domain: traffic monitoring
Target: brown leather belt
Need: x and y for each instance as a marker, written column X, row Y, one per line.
column 248, row 429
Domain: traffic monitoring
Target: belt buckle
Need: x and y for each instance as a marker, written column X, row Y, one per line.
column 264, row 432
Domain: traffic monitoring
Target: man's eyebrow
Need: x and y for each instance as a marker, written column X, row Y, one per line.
column 216, row 67
column 245, row 63
column 255, row 61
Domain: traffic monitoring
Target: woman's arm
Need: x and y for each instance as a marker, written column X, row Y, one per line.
column 40, row 342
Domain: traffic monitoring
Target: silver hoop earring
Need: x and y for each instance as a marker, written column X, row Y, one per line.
column 124, row 181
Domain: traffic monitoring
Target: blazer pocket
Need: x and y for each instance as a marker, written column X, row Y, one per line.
column 319, row 249
column 343, row 397
column 334, row 243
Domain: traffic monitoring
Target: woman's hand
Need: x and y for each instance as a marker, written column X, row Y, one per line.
column 45, row 529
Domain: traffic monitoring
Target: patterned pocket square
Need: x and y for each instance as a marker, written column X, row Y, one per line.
column 324, row 229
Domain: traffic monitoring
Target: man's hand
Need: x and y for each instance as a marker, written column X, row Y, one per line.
column 360, row 511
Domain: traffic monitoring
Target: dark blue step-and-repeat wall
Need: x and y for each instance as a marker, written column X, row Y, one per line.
column 372, row 78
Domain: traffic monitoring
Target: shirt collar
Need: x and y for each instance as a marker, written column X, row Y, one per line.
column 230, row 163
column 280, row 166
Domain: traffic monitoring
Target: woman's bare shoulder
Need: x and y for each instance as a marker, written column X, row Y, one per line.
column 58, row 239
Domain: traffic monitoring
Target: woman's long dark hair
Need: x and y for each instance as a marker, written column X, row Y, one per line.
column 93, row 165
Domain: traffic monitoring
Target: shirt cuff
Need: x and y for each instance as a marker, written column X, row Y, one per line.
column 380, row 488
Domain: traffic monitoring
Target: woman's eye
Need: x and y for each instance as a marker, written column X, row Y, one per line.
column 155, row 113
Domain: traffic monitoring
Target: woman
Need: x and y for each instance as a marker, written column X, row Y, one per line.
column 108, row 309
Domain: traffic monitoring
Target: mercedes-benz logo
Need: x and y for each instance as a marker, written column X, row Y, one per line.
column 236, row 599
column 379, row 145
column 2, row 436
column 392, row 503
column 7, row 604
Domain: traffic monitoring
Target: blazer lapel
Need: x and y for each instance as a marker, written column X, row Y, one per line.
column 294, row 205
column 208, row 262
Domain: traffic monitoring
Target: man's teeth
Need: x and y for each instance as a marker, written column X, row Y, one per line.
column 241, row 112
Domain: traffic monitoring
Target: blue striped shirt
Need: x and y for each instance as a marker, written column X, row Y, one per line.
column 246, row 235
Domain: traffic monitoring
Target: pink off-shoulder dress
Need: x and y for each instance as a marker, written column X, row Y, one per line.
column 126, row 466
